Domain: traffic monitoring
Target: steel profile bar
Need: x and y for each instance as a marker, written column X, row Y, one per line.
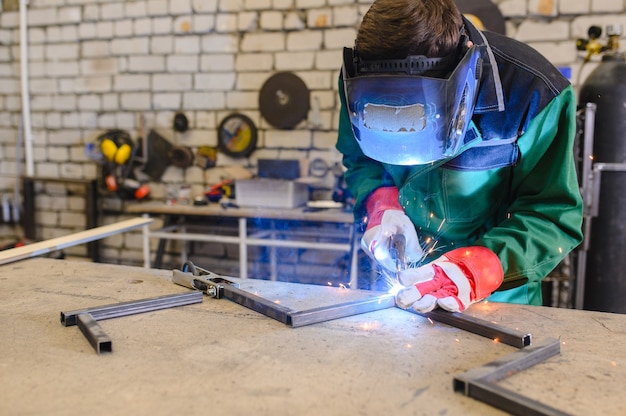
column 295, row 318
column 94, row 333
column 342, row 310
column 257, row 303
column 481, row 327
column 480, row 383
column 116, row 310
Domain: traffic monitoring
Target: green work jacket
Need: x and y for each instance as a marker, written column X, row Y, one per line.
column 514, row 188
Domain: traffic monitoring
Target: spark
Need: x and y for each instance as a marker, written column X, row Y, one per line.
column 613, row 363
column 496, row 340
column 395, row 288
column 431, row 321
column 277, row 301
column 457, row 340
column 408, row 346
column 341, row 285
column 329, row 283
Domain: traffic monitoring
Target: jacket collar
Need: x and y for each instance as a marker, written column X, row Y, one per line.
column 490, row 95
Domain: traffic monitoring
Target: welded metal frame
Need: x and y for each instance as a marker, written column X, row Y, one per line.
column 481, row 383
column 216, row 286
column 87, row 319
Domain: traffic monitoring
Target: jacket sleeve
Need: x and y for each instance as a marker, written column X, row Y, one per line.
column 544, row 220
column 363, row 175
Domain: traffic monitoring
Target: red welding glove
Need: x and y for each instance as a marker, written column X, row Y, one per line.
column 453, row 282
column 385, row 219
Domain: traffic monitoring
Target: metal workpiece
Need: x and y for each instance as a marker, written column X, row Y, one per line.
column 87, row 319
column 116, row 310
column 342, row 310
column 480, row 383
column 94, row 333
column 207, row 282
column 218, row 287
column 514, row 338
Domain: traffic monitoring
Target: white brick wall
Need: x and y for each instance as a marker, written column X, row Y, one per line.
column 98, row 64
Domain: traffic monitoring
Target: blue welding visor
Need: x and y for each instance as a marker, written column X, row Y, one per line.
column 408, row 119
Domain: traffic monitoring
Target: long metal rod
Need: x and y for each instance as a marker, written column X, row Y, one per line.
column 480, row 383
column 257, row 303
column 342, row 310
column 481, row 327
column 94, row 333
column 69, row 318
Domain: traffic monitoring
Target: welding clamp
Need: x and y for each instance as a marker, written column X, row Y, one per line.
column 194, row 277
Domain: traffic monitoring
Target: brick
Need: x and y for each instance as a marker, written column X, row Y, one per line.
column 242, row 100
column 162, row 26
column 136, row 9
column 69, row 15
column 186, row 44
column 288, row 139
column 529, row 31
column 161, row 44
column 292, row 61
column 130, row 46
column 142, row 26
column 293, row 21
column 98, row 66
column 607, row 6
column 203, row 23
column 112, row 11
column 338, row 38
column 164, row 101
column 41, row 17
column 254, row 62
column 123, row 28
column 94, row 48
column 216, row 43
column 247, row 21
column 282, row 4
column 171, row 82
column 104, row 30
column 157, row 7
column 513, row 8
column 226, row 23
column 180, row 7
column 139, row 82
column 214, row 81
column 182, row 63
column 263, row 42
column 203, row 101
column 135, row 101
column 62, row 51
column 257, row 4
column 204, row 6
column 575, row 7
column 150, row 63
column 304, row 41
column 217, row 62
column 231, row 6
column 320, row 18
column 271, row 20
column 346, row 16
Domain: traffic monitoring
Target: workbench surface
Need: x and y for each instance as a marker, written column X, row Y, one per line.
column 220, row 358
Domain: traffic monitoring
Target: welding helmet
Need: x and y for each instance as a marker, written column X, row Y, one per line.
column 401, row 116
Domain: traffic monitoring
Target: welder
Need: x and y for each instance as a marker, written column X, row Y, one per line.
column 461, row 140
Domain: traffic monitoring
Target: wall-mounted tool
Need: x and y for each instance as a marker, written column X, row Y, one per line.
column 284, row 100
column 237, row 135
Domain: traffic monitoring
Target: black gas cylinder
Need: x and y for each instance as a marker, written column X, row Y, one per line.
column 605, row 276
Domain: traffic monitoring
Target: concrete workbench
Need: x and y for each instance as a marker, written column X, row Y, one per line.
column 220, row 358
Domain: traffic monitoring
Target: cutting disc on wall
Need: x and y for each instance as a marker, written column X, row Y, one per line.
column 284, row 100
column 483, row 13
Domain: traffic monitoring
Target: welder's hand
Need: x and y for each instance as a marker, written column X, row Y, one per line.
column 386, row 218
column 453, row 282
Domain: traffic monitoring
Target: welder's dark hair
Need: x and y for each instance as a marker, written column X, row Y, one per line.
column 395, row 29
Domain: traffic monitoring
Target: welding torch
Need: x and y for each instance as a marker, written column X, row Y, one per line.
column 397, row 250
